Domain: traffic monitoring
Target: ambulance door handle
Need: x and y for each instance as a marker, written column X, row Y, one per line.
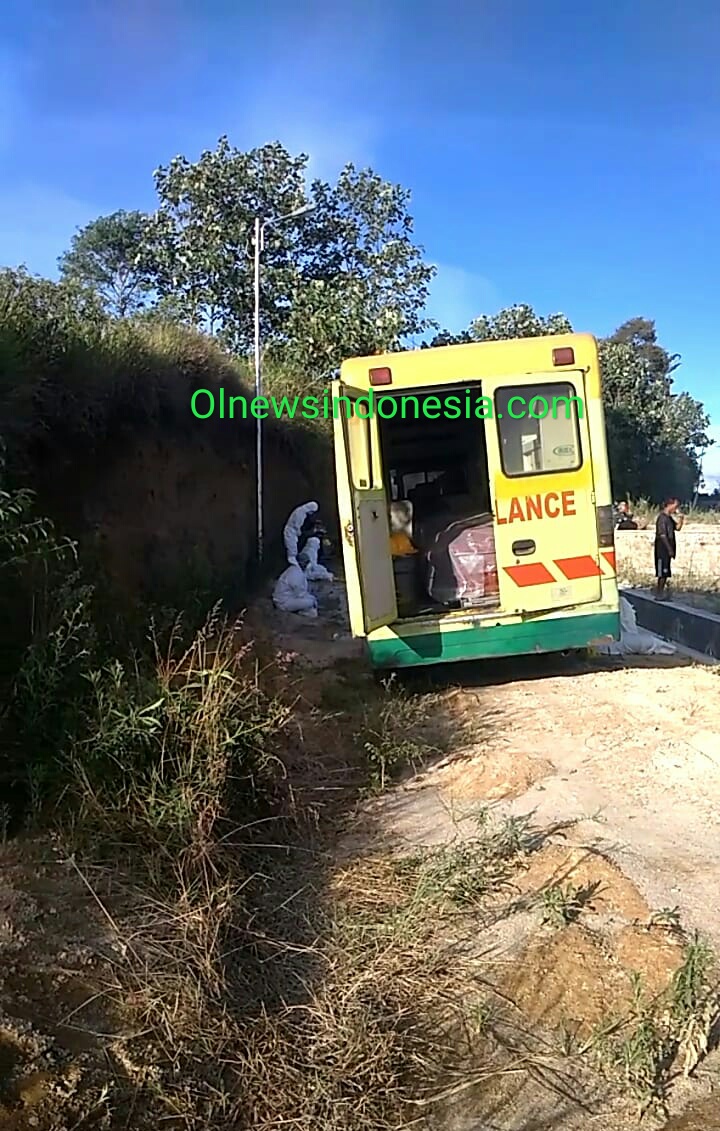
column 520, row 549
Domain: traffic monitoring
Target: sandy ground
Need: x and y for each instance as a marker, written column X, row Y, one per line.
column 617, row 764
column 628, row 757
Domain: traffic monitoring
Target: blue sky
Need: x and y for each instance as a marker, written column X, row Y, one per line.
column 563, row 155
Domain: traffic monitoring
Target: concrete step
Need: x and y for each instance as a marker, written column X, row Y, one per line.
column 693, row 629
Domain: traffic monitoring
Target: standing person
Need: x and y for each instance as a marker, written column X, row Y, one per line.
column 293, row 529
column 666, row 528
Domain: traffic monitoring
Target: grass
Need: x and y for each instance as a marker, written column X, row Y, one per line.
column 645, row 512
column 463, row 873
column 254, row 983
column 258, row 984
column 662, row 1036
column 251, row 984
column 695, row 587
column 273, row 992
column 389, row 734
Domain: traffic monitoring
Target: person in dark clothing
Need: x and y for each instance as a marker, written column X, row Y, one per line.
column 666, row 528
column 624, row 519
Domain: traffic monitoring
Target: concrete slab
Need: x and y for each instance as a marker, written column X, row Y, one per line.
column 693, row 629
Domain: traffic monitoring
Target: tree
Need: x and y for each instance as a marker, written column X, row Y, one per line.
column 351, row 258
column 359, row 243
column 328, row 320
column 199, row 249
column 655, row 436
column 518, row 321
column 106, row 255
column 640, row 333
column 445, row 338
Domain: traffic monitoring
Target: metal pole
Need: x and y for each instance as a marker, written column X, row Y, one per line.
column 258, row 393
column 260, row 226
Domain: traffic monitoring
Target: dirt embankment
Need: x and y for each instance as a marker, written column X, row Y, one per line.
column 176, row 510
column 101, row 427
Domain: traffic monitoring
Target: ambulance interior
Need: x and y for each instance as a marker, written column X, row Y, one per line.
column 441, row 528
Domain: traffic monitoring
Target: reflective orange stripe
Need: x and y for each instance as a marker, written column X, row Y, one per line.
column 609, row 556
column 534, row 573
column 575, row 568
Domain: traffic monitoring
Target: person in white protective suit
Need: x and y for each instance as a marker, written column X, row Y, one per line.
column 291, row 593
column 293, row 529
column 309, row 559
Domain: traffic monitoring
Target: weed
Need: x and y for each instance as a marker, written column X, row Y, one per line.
column 567, row 1040
column 667, row 918
column 658, row 1033
column 167, row 753
column 694, row 1003
column 561, row 905
column 389, row 735
column 464, row 872
column 636, row 1049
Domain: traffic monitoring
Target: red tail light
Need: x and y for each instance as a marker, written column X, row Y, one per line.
column 564, row 356
column 380, row 377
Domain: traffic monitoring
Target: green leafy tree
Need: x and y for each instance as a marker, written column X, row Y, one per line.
column 107, row 256
column 328, row 320
column 446, row 338
column 199, row 248
column 640, row 333
column 518, row 321
column 344, row 277
column 655, row 436
column 359, row 245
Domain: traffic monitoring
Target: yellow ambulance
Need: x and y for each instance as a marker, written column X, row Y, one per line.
column 475, row 501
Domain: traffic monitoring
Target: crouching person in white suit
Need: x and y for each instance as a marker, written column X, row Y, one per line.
column 308, row 558
column 291, row 593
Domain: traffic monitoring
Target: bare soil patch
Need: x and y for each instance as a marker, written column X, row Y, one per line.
column 481, row 777
column 603, row 886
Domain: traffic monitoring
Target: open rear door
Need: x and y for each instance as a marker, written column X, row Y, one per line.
column 541, row 477
column 368, row 533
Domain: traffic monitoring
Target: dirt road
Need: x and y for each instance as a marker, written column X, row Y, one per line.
column 617, row 763
column 628, row 753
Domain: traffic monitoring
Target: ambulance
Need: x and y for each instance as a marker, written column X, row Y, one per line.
column 475, row 501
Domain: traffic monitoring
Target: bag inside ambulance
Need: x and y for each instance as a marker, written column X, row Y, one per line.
column 437, row 470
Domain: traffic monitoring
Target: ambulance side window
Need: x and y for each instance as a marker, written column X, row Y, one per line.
column 538, row 428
